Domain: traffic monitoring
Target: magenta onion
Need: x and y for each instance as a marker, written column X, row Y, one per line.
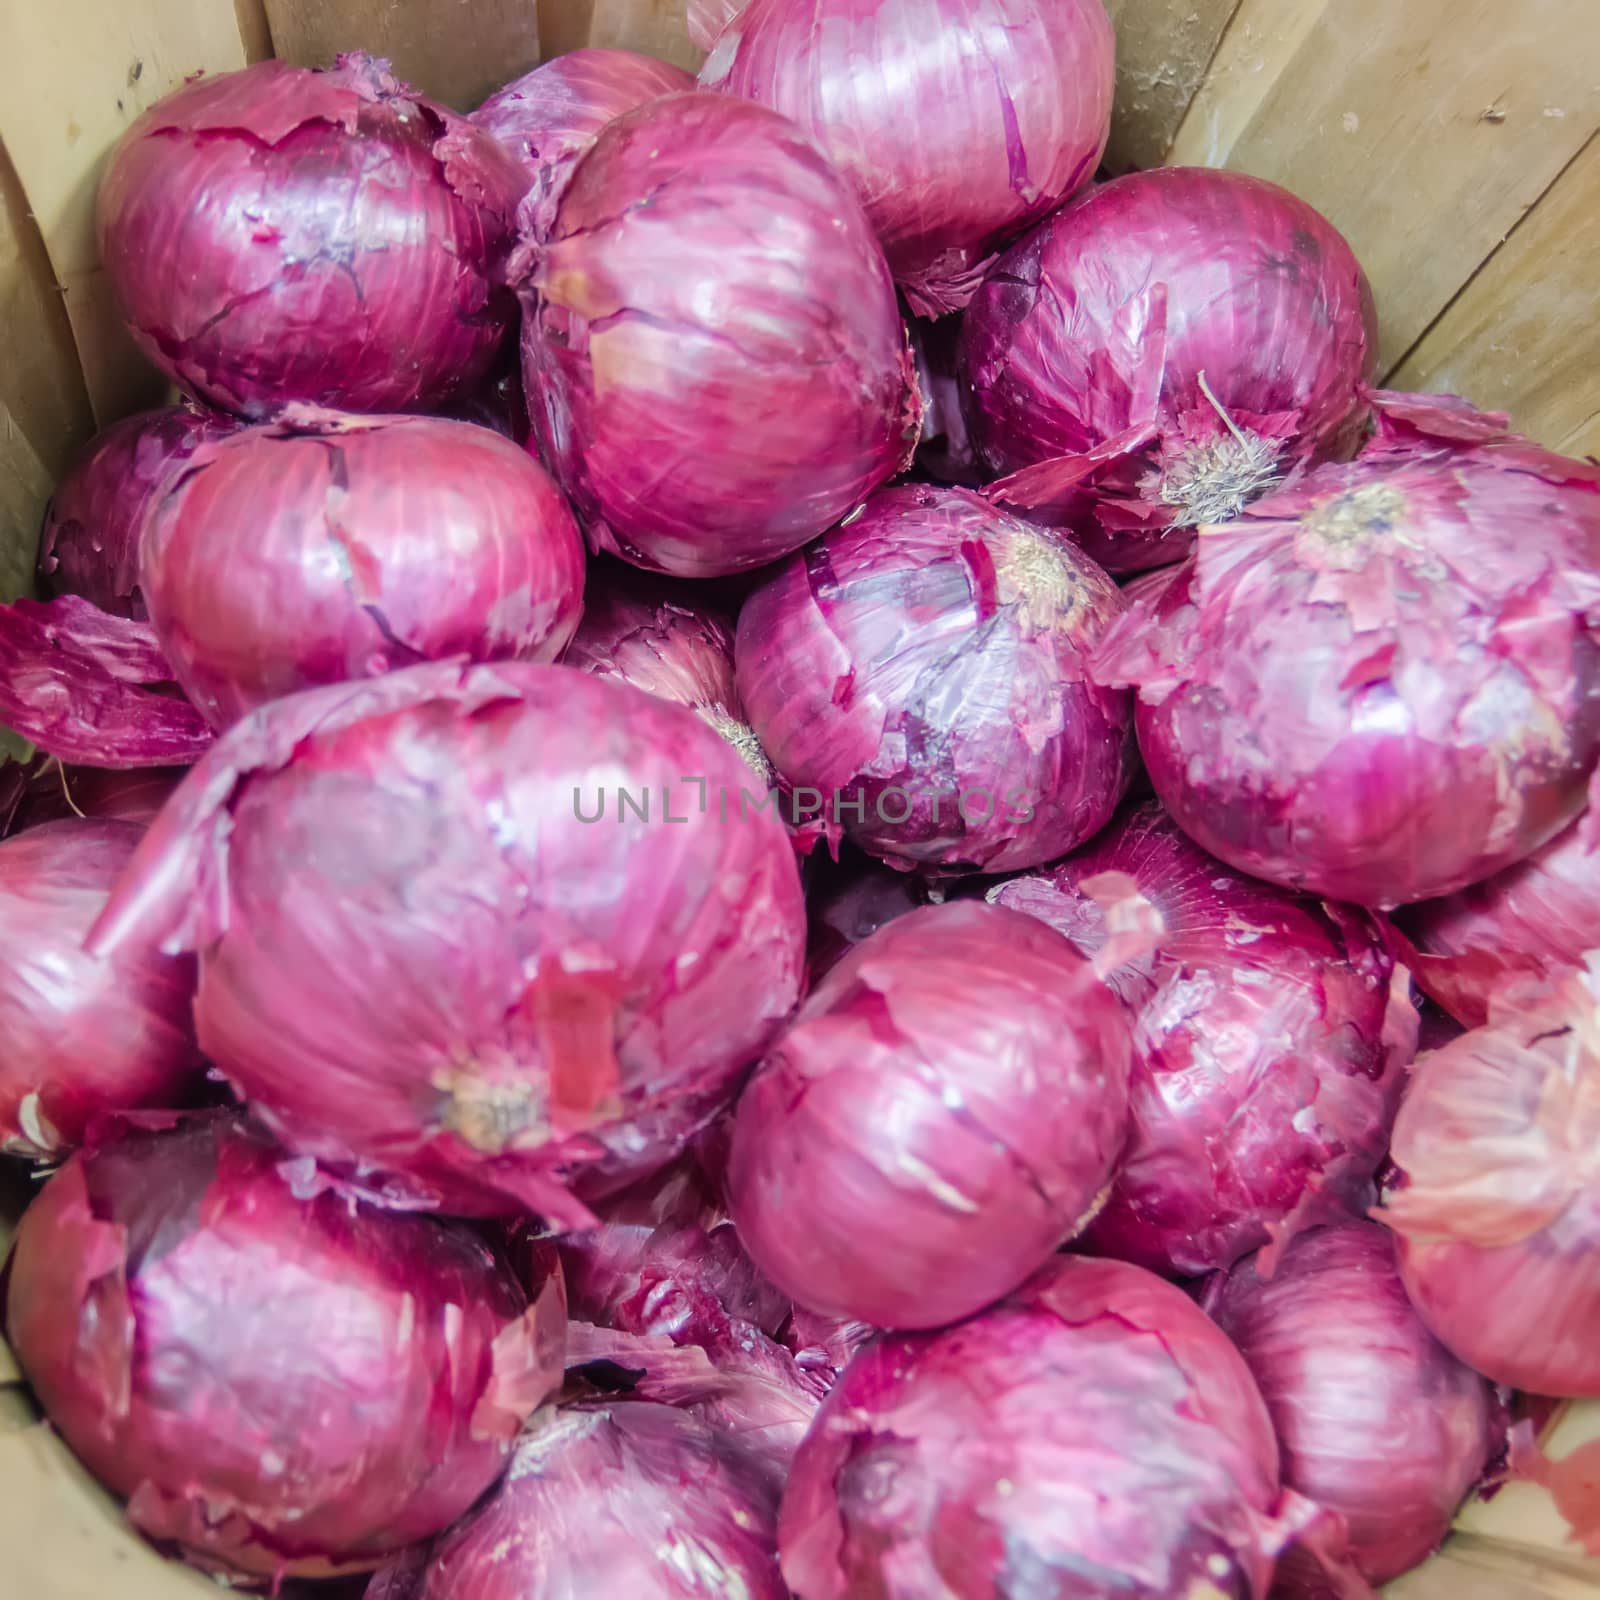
column 1161, row 351
column 82, row 1034
column 713, row 394
column 90, row 542
column 1382, row 684
column 279, row 1381
column 1495, row 1200
column 849, row 902
column 1376, row 1419
column 946, row 1108
column 326, row 546
column 445, row 929
column 923, row 672
column 278, row 234
column 1093, row 1436
column 1267, row 1065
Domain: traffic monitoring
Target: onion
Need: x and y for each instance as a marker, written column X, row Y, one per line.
column 82, row 1035
column 1010, row 103
column 1495, row 1200
column 946, row 1108
column 1094, row 1435
column 849, row 902
column 1163, row 350
column 1377, row 1420
column 1267, row 1065
column 89, row 545
column 1382, row 684
column 280, row 1382
column 278, row 234
column 415, row 953
column 710, row 394
column 326, row 547
column 923, row 671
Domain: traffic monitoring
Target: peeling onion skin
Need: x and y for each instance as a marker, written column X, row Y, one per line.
column 712, row 397
column 1094, row 1437
column 1085, row 347
column 1011, row 101
column 324, row 547
column 1267, row 1068
column 283, row 1385
column 417, row 959
column 945, row 1110
column 279, row 234
column 1377, row 1420
column 935, row 643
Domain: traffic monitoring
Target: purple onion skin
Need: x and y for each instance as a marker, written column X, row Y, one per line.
column 1093, row 1437
column 90, row 542
column 328, row 547
column 278, row 234
column 930, row 657
column 1087, row 344
column 1377, row 1420
column 1264, row 1083
column 945, row 1110
column 711, row 395
column 282, row 1385
column 417, row 957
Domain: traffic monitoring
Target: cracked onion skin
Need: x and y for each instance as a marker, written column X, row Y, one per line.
column 324, row 546
column 945, row 1110
column 279, row 234
column 278, row 1377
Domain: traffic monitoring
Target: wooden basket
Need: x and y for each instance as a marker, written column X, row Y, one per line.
column 1452, row 141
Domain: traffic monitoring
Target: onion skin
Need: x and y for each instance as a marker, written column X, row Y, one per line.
column 278, row 234
column 931, row 657
column 282, row 1383
column 1011, row 102
column 326, row 547
column 1094, row 1436
column 712, row 397
column 83, row 1035
column 945, row 1110
column 416, row 957
column 1086, row 347
column 1377, row 1420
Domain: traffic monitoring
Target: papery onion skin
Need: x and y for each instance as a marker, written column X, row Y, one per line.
column 283, row 1384
column 278, row 234
column 1011, row 102
column 927, row 664
column 1376, row 1419
column 1265, row 1078
column 82, row 1034
column 709, row 395
column 945, row 1110
column 416, row 954
column 1094, row 1436
column 1087, row 346
column 326, row 547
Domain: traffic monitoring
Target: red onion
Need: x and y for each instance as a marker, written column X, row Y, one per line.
column 1163, row 350
column 1267, row 1064
column 712, row 394
column 1377, row 1420
column 922, row 670
column 326, row 547
column 1095, row 1435
column 280, row 1382
column 89, row 545
column 82, row 1035
column 943, row 1112
column 1495, row 1202
column 849, row 902
column 417, row 953
column 277, row 234
column 957, row 125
